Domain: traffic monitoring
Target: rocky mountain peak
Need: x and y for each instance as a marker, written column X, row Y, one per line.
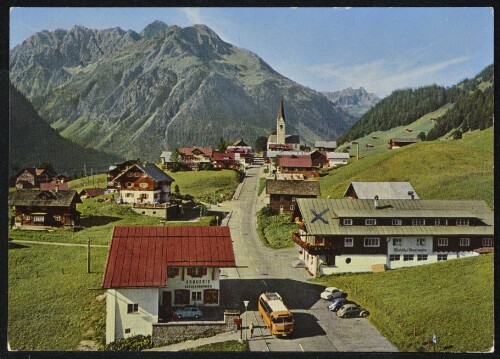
column 153, row 28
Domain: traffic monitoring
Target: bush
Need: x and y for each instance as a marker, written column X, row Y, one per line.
column 274, row 229
column 132, row 344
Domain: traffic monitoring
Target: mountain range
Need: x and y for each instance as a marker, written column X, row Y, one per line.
column 136, row 94
column 356, row 102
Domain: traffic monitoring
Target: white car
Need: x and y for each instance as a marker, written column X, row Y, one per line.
column 331, row 293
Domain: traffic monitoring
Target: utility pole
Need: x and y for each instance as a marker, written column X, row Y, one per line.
column 88, row 255
column 85, row 169
column 357, row 148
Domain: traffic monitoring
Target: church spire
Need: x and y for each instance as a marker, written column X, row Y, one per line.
column 280, row 124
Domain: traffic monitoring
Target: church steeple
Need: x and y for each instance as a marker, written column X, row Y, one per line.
column 280, row 124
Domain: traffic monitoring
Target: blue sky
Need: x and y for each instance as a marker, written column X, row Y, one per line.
column 326, row 49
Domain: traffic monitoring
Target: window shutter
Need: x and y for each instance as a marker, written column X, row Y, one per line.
column 190, row 271
column 204, row 271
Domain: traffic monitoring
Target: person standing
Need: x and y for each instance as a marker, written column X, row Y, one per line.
column 251, row 329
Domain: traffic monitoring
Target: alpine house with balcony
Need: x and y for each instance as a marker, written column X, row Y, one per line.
column 361, row 235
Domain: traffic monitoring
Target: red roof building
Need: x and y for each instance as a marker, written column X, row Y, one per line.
column 298, row 164
column 151, row 270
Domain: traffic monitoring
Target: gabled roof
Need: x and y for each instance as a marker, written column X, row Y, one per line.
column 166, row 155
column 322, row 216
column 294, row 139
column 337, row 155
column 151, row 170
column 240, row 143
column 223, row 156
column 35, row 171
column 92, row 192
column 305, row 188
column 188, row 151
column 52, row 186
column 47, row 198
column 384, row 190
column 405, row 140
column 302, row 161
column 325, row 144
column 139, row 256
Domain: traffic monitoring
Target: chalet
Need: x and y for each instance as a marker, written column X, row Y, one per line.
column 281, row 141
column 31, row 177
column 318, row 159
column 225, row 160
column 92, row 192
column 37, row 209
column 359, row 235
column 298, row 164
column 325, row 146
column 283, row 194
column 243, row 154
column 401, row 142
column 384, row 190
column 337, row 158
column 116, row 170
column 166, row 159
column 152, row 270
column 195, row 157
column 144, row 184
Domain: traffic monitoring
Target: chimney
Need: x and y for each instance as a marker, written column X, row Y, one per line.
column 375, row 202
column 411, row 194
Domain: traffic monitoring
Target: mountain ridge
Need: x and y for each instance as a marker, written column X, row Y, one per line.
column 136, row 95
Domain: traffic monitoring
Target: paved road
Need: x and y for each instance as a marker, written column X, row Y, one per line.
column 262, row 269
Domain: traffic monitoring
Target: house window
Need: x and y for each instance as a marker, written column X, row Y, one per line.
column 127, row 330
column 421, row 257
column 462, row 222
column 130, row 184
column 442, row 257
column 347, row 222
column 282, row 198
column 418, row 222
column 281, row 208
column 408, row 257
column 292, row 207
column 144, row 185
column 144, row 195
column 172, row 272
column 442, row 242
column 132, row 308
column 370, row 222
column 197, row 271
column 210, row 296
column 348, row 242
column 394, row 257
column 397, row 222
column 38, row 218
column 372, row 242
column 129, row 195
column 487, row 242
column 57, row 218
column 464, row 242
column 396, row 242
column 137, row 174
column 294, row 199
column 27, row 217
column 195, row 296
column 420, row 241
column 437, row 222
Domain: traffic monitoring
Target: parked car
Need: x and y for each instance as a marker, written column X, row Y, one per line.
column 331, row 293
column 337, row 303
column 189, row 311
column 352, row 310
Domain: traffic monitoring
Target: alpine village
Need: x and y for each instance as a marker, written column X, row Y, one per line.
column 170, row 191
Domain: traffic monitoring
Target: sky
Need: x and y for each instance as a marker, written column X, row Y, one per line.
column 326, row 49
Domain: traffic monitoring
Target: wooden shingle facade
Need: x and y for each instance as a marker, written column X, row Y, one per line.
column 283, row 194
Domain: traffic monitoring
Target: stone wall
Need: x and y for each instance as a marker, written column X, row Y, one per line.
column 164, row 333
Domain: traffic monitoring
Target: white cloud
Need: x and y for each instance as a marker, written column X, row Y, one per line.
column 202, row 16
column 382, row 76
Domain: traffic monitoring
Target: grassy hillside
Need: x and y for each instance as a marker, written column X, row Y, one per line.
column 460, row 169
column 452, row 299
column 380, row 139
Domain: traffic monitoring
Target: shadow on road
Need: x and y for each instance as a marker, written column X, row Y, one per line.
column 295, row 294
column 306, row 326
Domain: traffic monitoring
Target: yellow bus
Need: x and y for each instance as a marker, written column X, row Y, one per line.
column 275, row 314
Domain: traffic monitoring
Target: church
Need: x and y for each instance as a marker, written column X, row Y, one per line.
column 281, row 141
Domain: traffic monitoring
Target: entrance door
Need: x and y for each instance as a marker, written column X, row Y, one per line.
column 166, row 304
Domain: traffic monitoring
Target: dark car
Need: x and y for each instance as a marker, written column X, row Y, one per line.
column 352, row 310
column 189, row 312
column 337, row 303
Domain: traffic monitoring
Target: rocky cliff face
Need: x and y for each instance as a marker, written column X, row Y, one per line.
column 136, row 94
column 354, row 101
